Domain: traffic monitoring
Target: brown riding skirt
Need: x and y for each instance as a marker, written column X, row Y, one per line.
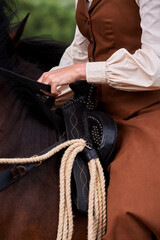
column 133, row 199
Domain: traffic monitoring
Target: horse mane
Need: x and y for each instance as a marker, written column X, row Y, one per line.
column 11, row 109
column 42, row 50
column 29, row 57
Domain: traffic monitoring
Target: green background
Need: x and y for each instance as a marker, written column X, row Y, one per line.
column 48, row 17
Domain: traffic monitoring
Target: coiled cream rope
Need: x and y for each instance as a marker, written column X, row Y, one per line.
column 97, row 196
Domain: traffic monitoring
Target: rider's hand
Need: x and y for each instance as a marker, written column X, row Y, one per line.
column 63, row 76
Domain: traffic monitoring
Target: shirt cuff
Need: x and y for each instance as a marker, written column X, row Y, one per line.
column 95, row 72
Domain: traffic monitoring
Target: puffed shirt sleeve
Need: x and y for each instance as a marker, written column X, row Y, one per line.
column 139, row 71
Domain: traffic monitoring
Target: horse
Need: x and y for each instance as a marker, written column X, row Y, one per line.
column 29, row 207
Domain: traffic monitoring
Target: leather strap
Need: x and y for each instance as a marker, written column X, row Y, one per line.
column 25, row 81
column 17, row 171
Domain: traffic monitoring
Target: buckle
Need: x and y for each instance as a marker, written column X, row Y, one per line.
column 38, row 164
column 18, row 171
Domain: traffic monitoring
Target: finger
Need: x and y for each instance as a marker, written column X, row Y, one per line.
column 45, row 81
column 40, row 79
column 44, row 78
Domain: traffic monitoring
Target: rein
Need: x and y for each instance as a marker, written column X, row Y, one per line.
column 32, row 93
column 37, row 87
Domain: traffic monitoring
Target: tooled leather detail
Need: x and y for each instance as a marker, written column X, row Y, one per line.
column 74, row 123
column 96, row 131
column 73, row 101
column 75, row 134
column 90, row 103
column 84, row 183
column 82, row 121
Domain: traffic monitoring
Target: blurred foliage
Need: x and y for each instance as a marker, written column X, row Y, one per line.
column 48, row 17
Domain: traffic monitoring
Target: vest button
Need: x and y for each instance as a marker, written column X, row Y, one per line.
column 91, row 59
column 91, row 40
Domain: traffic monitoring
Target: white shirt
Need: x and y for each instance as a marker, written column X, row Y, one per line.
column 128, row 72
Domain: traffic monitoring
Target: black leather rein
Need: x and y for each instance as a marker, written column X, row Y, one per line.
column 17, row 171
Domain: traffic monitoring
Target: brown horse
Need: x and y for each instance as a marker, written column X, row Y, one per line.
column 29, row 207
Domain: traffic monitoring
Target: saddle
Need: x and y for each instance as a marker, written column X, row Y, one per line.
column 77, row 118
column 99, row 130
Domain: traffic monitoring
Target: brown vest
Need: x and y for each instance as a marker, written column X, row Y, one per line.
column 110, row 25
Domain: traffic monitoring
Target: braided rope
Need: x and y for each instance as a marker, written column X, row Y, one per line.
column 92, row 170
column 97, row 201
column 97, row 197
column 98, row 214
column 103, row 196
column 65, row 193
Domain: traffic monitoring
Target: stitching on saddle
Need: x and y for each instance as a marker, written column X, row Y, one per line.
column 72, row 117
column 84, row 183
column 74, row 128
column 95, row 131
column 90, row 104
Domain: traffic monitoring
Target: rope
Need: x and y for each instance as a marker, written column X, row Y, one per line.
column 97, row 201
column 42, row 157
column 97, row 197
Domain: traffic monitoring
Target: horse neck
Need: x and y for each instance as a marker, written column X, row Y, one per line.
column 10, row 108
column 46, row 53
column 26, row 68
column 23, row 132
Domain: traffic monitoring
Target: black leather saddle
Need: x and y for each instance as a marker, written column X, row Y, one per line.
column 99, row 130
